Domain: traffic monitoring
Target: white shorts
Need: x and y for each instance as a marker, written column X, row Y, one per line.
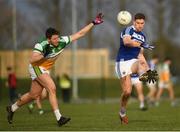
column 135, row 80
column 36, row 71
column 123, row 68
column 164, row 84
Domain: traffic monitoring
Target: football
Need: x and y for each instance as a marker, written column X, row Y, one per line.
column 124, row 17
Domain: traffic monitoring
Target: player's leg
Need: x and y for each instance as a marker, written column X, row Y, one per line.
column 34, row 92
column 142, row 64
column 11, row 95
column 171, row 94
column 123, row 70
column 46, row 81
column 39, row 100
column 39, row 105
column 126, row 92
column 139, row 89
column 31, row 106
column 159, row 93
column 44, row 94
column 151, row 96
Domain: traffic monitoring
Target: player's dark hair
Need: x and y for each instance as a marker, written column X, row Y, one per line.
column 139, row 16
column 167, row 59
column 51, row 31
column 155, row 57
column 9, row 68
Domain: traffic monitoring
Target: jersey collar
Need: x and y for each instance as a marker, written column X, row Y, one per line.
column 133, row 27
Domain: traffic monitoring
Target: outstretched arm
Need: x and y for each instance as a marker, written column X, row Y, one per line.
column 82, row 32
column 86, row 29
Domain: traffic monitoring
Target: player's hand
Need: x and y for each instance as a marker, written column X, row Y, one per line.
column 147, row 46
column 98, row 19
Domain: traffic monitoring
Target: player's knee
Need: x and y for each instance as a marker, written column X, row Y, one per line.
column 52, row 90
column 127, row 93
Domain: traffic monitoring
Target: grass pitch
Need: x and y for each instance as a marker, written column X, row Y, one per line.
column 94, row 117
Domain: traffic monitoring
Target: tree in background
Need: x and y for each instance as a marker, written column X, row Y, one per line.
column 50, row 12
column 5, row 24
column 34, row 16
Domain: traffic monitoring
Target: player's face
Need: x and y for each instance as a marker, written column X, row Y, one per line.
column 139, row 24
column 54, row 40
column 156, row 60
column 168, row 62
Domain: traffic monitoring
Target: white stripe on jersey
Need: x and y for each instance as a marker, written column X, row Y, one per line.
column 38, row 46
column 127, row 31
column 66, row 39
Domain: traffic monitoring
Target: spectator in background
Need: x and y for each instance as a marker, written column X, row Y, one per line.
column 65, row 85
column 165, row 81
column 11, row 84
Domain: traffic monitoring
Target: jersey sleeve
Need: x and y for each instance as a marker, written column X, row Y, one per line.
column 127, row 32
column 38, row 48
column 65, row 39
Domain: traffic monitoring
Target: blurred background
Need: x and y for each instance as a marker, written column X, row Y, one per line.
column 89, row 62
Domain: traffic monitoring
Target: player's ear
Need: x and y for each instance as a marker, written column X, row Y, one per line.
column 48, row 39
column 144, row 21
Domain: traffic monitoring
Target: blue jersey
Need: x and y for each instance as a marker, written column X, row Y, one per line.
column 126, row 52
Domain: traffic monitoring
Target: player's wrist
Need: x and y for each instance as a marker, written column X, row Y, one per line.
column 93, row 22
column 142, row 44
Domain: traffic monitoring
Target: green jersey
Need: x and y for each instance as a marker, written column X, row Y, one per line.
column 49, row 51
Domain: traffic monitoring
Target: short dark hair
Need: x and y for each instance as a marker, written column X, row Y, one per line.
column 155, row 56
column 51, row 31
column 9, row 68
column 139, row 16
column 167, row 59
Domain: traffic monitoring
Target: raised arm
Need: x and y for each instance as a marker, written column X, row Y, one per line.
column 129, row 42
column 86, row 29
column 132, row 43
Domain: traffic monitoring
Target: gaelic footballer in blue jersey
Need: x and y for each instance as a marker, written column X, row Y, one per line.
column 130, row 59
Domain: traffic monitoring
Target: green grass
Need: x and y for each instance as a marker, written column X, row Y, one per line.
column 87, row 88
column 94, row 117
column 91, row 116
